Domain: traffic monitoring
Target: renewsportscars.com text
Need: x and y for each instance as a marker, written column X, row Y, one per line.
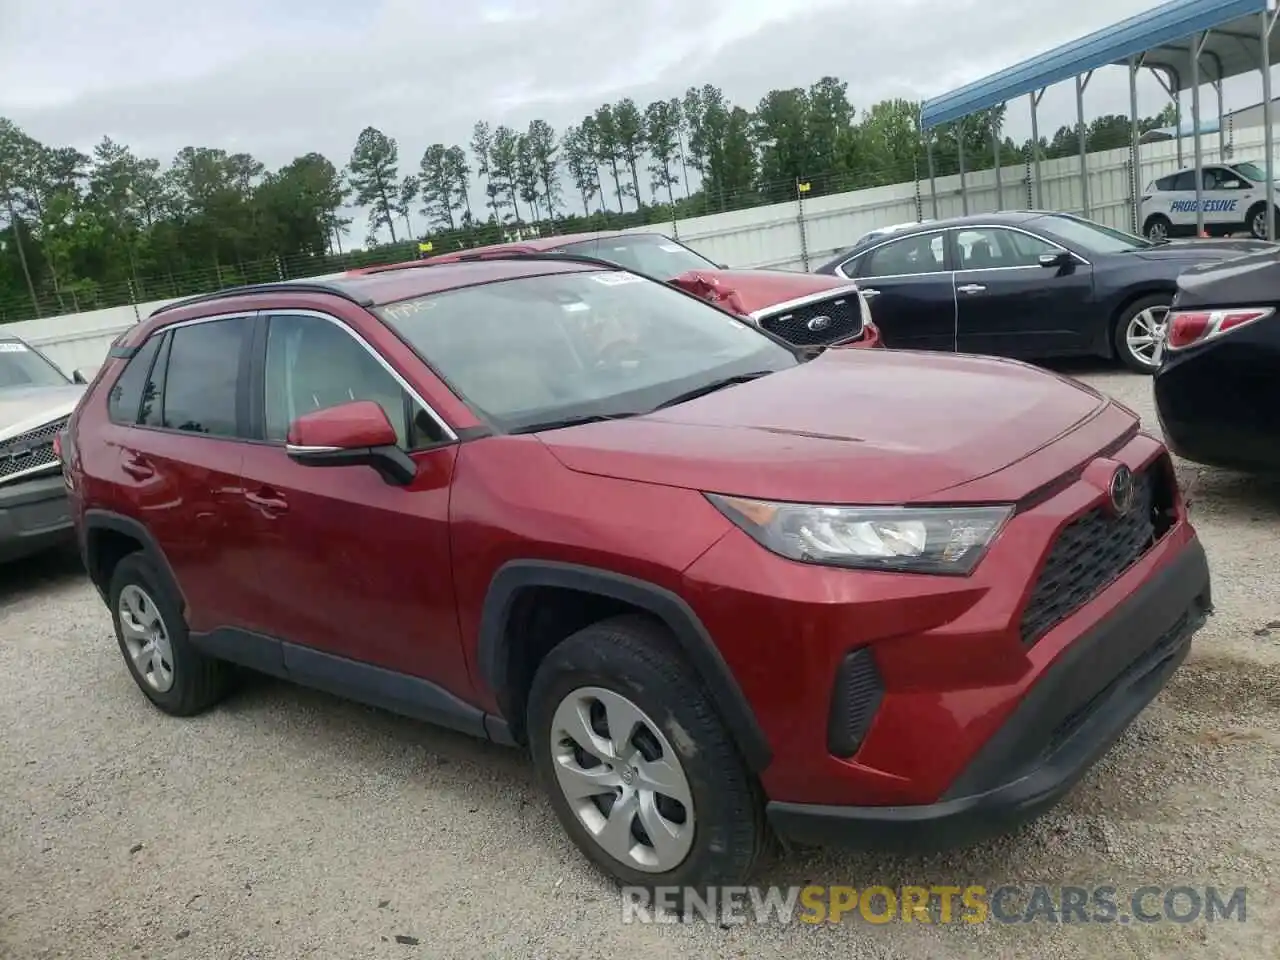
column 970, row 904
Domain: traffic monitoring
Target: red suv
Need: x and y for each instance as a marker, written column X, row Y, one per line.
column 712, row 582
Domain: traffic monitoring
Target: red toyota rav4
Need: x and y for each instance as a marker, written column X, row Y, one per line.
column 713, row 583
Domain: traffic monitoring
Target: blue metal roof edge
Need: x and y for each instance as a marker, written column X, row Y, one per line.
column 1176, row 20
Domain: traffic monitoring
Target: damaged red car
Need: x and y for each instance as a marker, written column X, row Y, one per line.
column 803, row 309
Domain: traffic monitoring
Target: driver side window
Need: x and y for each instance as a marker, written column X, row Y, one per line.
column 313, row 364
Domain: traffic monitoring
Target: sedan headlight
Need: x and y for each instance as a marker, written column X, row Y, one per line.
column 946, row 540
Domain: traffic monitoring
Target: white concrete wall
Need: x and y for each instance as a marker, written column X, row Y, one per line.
column 775, row 236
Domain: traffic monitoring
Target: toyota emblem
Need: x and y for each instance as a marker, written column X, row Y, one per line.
column 1121, row 491
column 818, row 323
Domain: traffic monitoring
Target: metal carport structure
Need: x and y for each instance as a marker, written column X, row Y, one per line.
column 1176, row 41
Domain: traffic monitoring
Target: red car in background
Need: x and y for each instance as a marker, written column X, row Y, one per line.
column 804, row 309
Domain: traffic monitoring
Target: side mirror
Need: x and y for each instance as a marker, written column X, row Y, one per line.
column 1060, row 259
column 350, row 434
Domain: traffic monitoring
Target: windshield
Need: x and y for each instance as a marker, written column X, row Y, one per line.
column 649, row 253
column 20, row 366
column 1089, row 236
column 1252, row 171
column 530, row 352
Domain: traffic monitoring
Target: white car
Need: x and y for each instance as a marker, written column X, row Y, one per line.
column 1234, row 198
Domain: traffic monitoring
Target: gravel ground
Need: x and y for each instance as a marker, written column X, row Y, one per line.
column 289, row 824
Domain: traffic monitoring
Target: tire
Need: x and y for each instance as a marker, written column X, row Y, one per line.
column 174, row 676
column 1157, row 228
column 1256, row 219
column 1149, row 312
column 627, row 667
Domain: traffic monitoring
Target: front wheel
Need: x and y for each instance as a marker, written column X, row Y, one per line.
column 640, row 769
column 1140, row 332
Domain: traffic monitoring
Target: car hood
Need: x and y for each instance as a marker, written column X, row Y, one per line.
column 26, row 408
column 855, row 426
column 754, row 291
column 1203, row 251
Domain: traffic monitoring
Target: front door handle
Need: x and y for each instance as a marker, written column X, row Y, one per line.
column 868, row 292
column 971, row 288
column 268, row 502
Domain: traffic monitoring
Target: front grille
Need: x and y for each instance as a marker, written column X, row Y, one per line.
column 797, row 325
column 1095, row 549
column 29, row 452
column 857, row 693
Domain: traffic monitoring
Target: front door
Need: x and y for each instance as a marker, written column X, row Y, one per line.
column 1007, row 304
column 908, row 287
column 348, row 564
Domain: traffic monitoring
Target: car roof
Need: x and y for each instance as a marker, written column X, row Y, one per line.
column 533, row 244
column 376, row 287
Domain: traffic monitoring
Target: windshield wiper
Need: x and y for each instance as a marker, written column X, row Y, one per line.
column 571, row 422
column 712, row 387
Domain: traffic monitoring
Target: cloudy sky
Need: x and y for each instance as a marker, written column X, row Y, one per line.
column 279, row 78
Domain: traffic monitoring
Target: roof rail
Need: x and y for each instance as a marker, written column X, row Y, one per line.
column 251, row 289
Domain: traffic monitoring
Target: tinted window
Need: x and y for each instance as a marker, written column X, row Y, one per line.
column 20, row 366
column 1184, row 181
column 314, row 363
column 125, row 400
column 526, row 352
column 1166, row 183
column 990, row 247
column 910, row 255
column 201, row 376
column 152, row 412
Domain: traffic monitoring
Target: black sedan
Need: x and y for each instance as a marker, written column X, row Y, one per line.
column 1217, row 389
column 1027, row 284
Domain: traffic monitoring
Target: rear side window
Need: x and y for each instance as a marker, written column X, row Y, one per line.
column 202, row 375
column 1165, row 183
column 1184, row 181
column 125, row 399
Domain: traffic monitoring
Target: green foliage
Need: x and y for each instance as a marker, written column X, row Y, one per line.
column 83, row 232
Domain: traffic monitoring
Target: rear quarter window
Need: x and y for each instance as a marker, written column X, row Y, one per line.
column 125, row 398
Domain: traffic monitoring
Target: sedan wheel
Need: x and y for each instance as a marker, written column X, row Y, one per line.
column 622, row 779
column 1144, row 332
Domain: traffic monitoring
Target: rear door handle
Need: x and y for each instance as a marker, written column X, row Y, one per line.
column 268, row 501
column 868, row 292
column 138, row 467
column 971, row 288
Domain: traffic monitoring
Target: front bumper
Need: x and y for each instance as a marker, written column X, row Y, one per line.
column 34, row 516
column 1064, row 725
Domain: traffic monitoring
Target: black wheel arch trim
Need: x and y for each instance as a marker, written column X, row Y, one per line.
column 96, row 520
column 692, row 637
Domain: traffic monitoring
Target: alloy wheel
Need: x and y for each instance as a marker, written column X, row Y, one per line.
column 146, row 638
column 622, row 779
column 1157, row 232
column 1259, row 226
column 1145, row 334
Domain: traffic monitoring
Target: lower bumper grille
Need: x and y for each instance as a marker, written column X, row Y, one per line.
column 817, row 324
column 1096, row 548
column 854, row 700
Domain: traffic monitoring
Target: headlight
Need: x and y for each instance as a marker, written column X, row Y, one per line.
column 947, row 540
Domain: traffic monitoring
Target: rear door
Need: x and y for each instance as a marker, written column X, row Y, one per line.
column 1007, row 304
column 177, row 458
column 907, row 282
column 1181, row 199
column 346, row 564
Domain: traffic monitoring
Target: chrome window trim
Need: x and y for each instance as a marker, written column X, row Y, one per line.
column 292, row 448
column 850, row 289
column 449, row 434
